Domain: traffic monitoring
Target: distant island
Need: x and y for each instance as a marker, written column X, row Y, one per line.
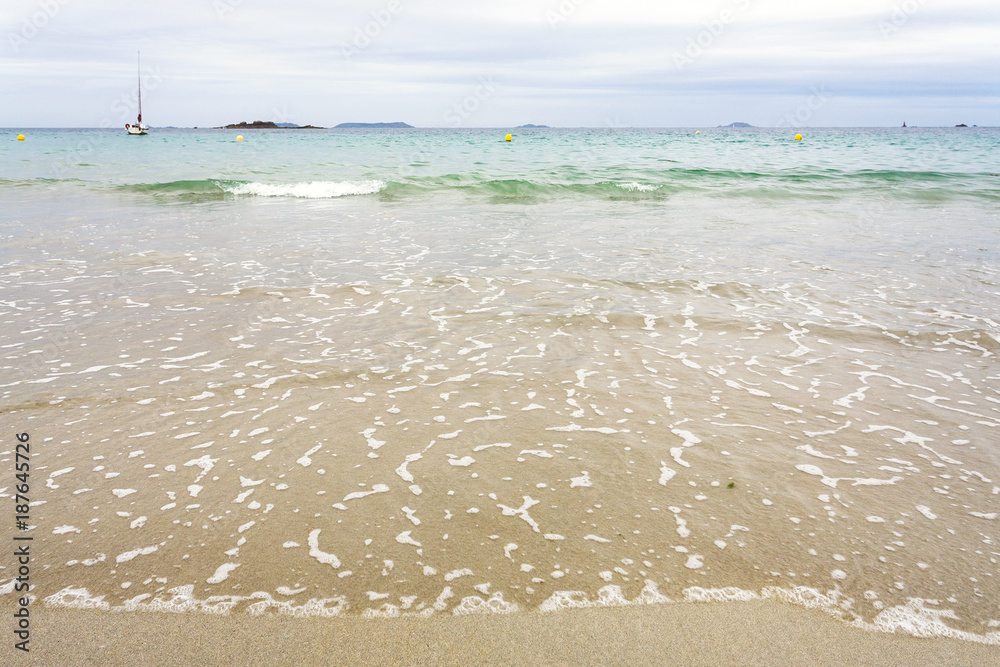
column 961, row 125
column 737, row 125
column 377, row 126
column 529, row 126
column 268, row 125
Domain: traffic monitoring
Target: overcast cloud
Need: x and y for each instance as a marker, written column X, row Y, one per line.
column 446, row 63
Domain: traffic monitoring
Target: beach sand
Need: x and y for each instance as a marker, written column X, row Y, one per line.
column 750, row 633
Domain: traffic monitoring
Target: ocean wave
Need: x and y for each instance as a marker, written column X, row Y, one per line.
column 311, row 190
column 638, row 187
column 915, row 618
column 563, row 182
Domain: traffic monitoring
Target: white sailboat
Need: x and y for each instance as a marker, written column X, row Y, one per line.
column 139, row 127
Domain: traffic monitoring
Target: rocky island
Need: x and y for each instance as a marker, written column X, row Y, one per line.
column 268, row 125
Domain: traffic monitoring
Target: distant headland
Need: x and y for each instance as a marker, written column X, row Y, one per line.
column 377, row 126
column 737, row 125
column 268, row 125
column 529, row 126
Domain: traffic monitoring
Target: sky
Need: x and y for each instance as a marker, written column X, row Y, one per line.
column 451, row 63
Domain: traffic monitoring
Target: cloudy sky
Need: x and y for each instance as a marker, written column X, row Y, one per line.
column 449, row 63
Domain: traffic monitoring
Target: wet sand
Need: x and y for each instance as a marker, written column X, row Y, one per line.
column 372, row 409
column 753, row 633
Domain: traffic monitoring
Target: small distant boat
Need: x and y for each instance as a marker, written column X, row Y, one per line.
column 139, row 127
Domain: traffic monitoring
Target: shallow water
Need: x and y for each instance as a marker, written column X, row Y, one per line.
column 428, row 371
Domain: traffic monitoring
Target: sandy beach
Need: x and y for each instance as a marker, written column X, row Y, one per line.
column 524, row 333
column 753, row 633
column 273, row 404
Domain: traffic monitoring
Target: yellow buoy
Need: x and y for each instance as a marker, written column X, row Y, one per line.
column 698, row 132
column 20, row 137
column 798, row 137
column 508, row 138
column 239, row 137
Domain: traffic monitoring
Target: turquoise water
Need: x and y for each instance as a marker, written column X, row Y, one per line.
column 920, row 163
column 426, row 371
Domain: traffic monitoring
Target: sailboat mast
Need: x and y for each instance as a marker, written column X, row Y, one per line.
column 139, row 76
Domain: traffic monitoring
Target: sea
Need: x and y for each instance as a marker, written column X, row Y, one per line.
column 421, row 372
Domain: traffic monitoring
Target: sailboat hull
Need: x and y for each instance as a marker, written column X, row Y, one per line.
column 138, row 128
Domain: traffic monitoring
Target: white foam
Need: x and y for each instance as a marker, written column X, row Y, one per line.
column 476, row 605
column 915, row 619
column 76, row 598
column 304, row 460
column 405, row 474
column 378, row 488
column 637, row 187
column 411, row 515
column 206, row 463
column 321, row 556
column 522, row 512
column 312, row 190
column 181, row 599
column 285, row 590
column 666, row 473
column 495, row 444
column 129, row 555
column 727, row 594
column 582, row 480
column 607, row 596
column 368, row 434
column 404, row 538
column 222, row 573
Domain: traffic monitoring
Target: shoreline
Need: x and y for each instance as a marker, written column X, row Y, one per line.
column 758, row 632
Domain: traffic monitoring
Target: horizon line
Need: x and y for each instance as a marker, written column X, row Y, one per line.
column 510, row 127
